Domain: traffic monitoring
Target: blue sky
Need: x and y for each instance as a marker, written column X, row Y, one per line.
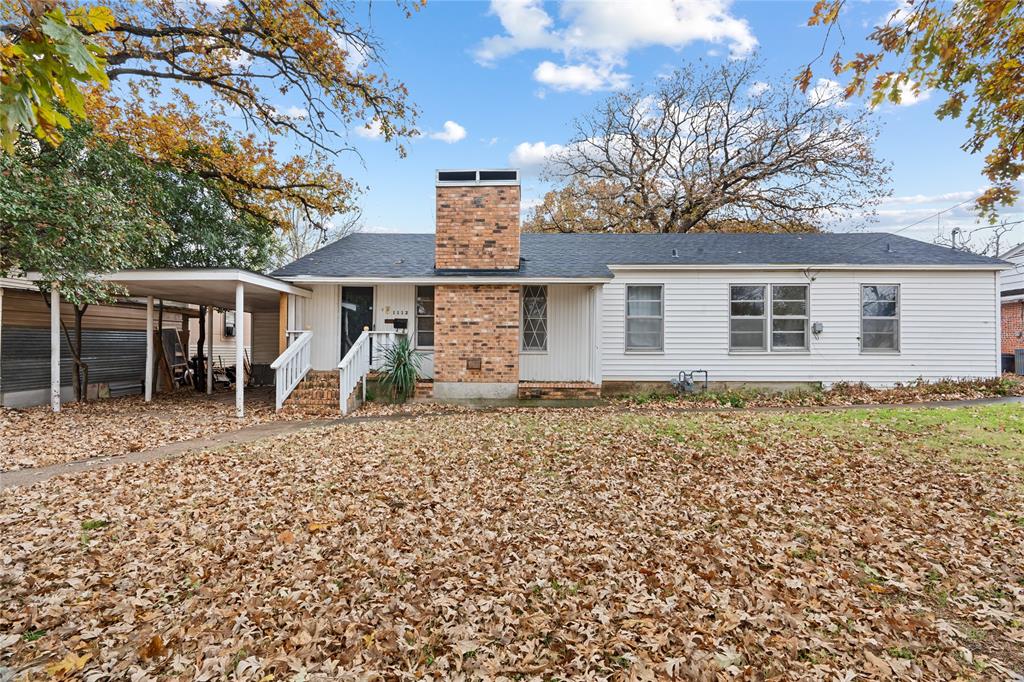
column 509, row 77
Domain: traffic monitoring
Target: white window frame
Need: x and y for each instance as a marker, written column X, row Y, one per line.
column 806, row 317
column 416, row 316
column 522, row 319
column 898, row 318
column 626, row 317
column 765, row 317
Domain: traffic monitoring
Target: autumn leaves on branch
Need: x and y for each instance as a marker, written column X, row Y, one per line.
column 200, row 84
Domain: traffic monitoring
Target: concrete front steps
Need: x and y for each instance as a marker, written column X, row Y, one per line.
column 315, row 396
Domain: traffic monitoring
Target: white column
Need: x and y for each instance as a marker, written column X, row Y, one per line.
column 149, row 348
column 54, row 347
column 239, row 350
column 209, row 349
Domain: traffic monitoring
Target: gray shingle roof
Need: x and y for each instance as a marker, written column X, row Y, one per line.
column 589, row 255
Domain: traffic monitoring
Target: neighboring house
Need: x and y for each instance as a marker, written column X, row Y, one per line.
column 1012, row 289
column 113, row 340
column 499, row 314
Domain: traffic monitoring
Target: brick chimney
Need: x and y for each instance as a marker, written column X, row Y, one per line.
column 477, row 221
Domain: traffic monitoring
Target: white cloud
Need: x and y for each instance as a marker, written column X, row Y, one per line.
column 759, row 88
column 355, row 55
column 579, row 77
column 292, row 112
column 594, row 38
column 827, row 90
column 371, row 131
column 532, row 154
column 944, row 198
column 909, row 98
column 450, row 133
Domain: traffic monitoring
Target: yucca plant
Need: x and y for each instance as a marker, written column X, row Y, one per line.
column 401, row 369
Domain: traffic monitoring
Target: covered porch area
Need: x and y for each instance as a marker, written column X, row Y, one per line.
column 276, row 309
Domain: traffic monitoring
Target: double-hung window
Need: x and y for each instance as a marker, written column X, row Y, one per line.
column 535, row 318
column 880, row 318
column 645, row 317
column 789, row 317
column 424, row 317
column 748, row 317
column 760, row 312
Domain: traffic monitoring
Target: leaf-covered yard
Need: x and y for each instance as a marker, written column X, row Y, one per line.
column 37, row 436
column 536, row 545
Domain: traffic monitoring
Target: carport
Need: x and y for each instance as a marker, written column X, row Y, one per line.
column 228, row 289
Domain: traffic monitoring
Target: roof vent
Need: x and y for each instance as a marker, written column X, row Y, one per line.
column 506, row 176
column 675, row 253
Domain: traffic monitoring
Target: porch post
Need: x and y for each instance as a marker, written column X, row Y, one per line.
column 54, row 347
column 239, row 350
column 149, row 348
column 209, row 350
column 282, row 322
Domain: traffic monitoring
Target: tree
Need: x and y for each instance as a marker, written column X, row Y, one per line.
column 716, row 146
column 189, row 76
column 581, row 206
column 971, row 50
column 69, row 212
column 304, row 237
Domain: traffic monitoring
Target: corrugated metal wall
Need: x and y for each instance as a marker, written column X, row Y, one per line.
column 112, row 356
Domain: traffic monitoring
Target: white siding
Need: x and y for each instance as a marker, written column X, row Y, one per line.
column 397, row 301
column 323, row 313
column 1013, row 278
column 948, row 329
column 569, row 338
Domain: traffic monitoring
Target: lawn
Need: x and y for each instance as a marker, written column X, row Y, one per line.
column 37, row 436
column 543, row 544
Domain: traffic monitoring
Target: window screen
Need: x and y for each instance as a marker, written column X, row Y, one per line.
column 424, row 317
column 645, row 319
column 747, row 317
column 880, row 317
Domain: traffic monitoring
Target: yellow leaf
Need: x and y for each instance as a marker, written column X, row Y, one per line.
column 69, row 664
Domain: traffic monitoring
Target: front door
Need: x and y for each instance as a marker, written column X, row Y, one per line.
column 356, row 313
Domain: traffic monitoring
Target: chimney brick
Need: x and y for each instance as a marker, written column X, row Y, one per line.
column 477, row 227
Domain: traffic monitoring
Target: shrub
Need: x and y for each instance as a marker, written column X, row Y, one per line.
column 401, row 369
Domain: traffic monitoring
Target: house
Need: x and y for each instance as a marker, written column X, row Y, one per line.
column 499, row 314
column 1012, row 299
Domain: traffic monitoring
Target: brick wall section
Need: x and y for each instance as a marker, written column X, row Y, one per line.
column 1013, row 326
column 477, row 227
column 559, row 390
column 480, row 321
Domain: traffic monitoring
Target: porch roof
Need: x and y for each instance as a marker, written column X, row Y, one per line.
column 207, row 286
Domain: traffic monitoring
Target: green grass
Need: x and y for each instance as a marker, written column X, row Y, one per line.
column 94, row 524
column 959, row 432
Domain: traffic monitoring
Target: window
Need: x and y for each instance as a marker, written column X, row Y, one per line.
column 424, row 317
column 789, row 317
column 880, row 317
column 229, row 323
column 645, row 321
column 747, row 317
column 535, row 318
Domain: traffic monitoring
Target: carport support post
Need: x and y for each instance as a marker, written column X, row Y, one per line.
column 149, row 348
column 239, row 350
column 54, row 347
column 209, row 350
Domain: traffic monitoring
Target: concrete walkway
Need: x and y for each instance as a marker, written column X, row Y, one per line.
column 21, row 477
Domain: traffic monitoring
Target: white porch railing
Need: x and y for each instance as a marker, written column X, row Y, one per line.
column 353, row 368
column 366, row 354
column 291, row 366
column 381, row 341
